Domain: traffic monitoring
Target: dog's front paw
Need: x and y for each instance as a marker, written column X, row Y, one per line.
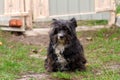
column 49, row 69
column 82, row 68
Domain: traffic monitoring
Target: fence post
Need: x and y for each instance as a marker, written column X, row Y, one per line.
column 29, row 19
column 111, row 21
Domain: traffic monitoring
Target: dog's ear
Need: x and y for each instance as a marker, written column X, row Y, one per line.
column 54, row 20
column 73, row 20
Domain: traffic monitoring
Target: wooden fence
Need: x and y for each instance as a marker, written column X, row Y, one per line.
column 32, row 10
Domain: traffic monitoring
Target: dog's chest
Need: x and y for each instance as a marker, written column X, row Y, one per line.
column 59, row 52
column 59, row 49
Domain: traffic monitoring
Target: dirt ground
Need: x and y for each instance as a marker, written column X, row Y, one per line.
column 41, row 40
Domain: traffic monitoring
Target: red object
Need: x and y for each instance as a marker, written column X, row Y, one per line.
column 15, row 23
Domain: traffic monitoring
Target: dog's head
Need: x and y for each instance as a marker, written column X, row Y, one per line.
column 63, row 31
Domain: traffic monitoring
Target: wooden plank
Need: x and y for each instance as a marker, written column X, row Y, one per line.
column 8, row 6
column 45, row 7
column 104, row 5
column 29, row 8
column 14, row 6
column 19, row 9
column 28, row 5
column 112, row 18
column 6, row 9
column 35, row 7
column 4, row 24
column 12, row 29
column 40, row 8
column 17, row 14
column 112, row 14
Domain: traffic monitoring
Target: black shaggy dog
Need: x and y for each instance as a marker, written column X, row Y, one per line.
column 65, row 53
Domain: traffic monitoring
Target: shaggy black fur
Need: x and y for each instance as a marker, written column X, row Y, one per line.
column 73, row 53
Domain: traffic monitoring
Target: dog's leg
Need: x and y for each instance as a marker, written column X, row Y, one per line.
column 48, row 65
column 51, row 64
column 76, row 63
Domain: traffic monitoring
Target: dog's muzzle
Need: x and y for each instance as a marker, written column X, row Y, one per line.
column 61, row 35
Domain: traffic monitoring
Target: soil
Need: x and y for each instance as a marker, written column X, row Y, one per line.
column 42, row 76
column 41, row 40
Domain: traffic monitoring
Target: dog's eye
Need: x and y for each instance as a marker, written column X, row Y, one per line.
column 66, row 29
column 69, row 32
column 56, row 31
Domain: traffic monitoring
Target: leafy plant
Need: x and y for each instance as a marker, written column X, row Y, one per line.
column 118, row 9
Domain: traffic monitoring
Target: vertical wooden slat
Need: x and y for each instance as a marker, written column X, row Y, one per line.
column 112, row 13
column 21, row 5
column 103, row 5
column 29, row 8
column 7, row 3
column 18, row 7
column 36, row 8
column 45, row 7
column 28, row 5
column 14, row 6
column 40, row 8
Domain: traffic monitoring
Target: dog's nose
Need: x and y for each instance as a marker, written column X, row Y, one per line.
column 61, row 37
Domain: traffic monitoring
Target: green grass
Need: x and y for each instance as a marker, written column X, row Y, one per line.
column 62, row 75
column 15, row 60
column 92, row 22
column 102, row 53
column 80, row 23
column 118, row 9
